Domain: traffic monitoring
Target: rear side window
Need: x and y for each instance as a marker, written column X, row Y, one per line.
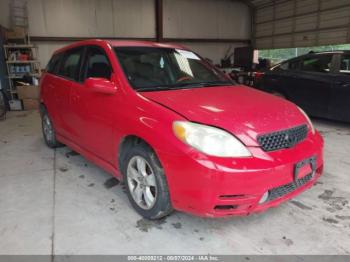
column 97, row 64
column 345, row 64
column 70, row 65
column 319, row 63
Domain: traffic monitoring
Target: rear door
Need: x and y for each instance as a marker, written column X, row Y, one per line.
column 50, row 93
column 67, row 74
column 339, row 107
column 309, row 83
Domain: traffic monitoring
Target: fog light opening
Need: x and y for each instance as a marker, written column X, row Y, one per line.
column 225, row 207
column 264, row 197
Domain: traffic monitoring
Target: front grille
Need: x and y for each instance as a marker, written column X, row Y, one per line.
column 288, row 188
column 283, row 139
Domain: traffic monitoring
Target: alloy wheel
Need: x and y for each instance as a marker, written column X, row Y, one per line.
column 142, row 182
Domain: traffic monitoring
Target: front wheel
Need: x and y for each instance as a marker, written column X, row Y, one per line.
column 146, row 183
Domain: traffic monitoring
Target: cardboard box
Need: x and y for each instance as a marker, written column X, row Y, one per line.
column 17, row 33
column 30, row 104
column 28, row 92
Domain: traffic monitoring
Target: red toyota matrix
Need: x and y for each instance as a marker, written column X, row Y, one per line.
column 177, row 131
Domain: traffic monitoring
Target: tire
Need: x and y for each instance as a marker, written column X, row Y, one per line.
column 146, row 183
column 48, row 130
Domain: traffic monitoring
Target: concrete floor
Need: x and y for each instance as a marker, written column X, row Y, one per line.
column 55, row 202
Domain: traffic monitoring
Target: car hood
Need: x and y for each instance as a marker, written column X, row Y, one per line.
column 243, row 111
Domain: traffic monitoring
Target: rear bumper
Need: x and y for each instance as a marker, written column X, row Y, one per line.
column 215, row 187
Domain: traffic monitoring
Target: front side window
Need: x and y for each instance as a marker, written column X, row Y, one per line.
column 150, row 68
column 70, row 64
column 345, row 64
column 97, row 64
column 319, row 63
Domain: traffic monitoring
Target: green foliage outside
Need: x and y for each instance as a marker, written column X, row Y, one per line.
column 279, row 55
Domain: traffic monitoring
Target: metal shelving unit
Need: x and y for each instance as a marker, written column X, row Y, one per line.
column 20, row 55
column 18, row 68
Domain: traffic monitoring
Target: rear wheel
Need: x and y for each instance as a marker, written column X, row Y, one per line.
column 146, row 183
column 49, row 131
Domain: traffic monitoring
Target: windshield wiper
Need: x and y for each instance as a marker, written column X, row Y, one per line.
column 203, row 84
column 182, row 85
column 153, row 88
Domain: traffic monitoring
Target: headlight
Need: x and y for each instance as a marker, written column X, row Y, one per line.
column 209, row 140
column 308, row 119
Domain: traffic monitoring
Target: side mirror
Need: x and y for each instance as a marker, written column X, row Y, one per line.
column 100, row 85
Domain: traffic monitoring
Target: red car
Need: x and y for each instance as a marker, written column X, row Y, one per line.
column 177, row 131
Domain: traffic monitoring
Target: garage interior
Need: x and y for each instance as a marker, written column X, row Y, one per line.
column 55, row 202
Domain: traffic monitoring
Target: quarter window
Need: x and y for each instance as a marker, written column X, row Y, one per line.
column 71, row 64
column 53, row 64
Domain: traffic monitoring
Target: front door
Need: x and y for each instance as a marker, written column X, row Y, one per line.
column 68, row 74
column 93, row 112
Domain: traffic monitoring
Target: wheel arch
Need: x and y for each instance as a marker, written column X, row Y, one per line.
column 42, row 108
column 128, row 142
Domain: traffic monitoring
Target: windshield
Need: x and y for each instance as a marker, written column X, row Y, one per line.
column 150, row 68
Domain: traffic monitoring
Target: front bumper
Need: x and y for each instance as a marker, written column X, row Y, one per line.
column 214, row 187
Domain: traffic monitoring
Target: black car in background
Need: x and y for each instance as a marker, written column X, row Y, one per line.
column 317, row 82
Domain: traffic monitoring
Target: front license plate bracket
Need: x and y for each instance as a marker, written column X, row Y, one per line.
column 309, row 161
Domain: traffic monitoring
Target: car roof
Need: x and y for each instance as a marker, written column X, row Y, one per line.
column 120, row 43
column 318, row 53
